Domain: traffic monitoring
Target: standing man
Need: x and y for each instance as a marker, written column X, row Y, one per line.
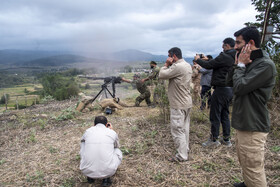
column 205, row 82
column 196, row 76
column 155, row 82
column 222, row 95
column 253, row 81
column 100, row 153
column 142, row 88
column 179, row 74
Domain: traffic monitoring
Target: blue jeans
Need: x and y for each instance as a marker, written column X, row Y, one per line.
column 219, row 112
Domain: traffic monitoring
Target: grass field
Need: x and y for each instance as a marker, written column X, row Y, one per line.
column 20, row 93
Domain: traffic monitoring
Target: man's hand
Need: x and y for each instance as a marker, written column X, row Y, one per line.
column 198, row 67
column 109, row 125
column 244, row 56
column 196, row 57
column 168, row 62
column 143, row 80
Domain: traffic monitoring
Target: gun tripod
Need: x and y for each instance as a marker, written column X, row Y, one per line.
column 104, row 88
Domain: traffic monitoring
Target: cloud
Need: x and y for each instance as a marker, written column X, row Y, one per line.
column 110, row 25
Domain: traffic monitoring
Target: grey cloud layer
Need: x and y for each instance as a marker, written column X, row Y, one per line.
column 149, row 25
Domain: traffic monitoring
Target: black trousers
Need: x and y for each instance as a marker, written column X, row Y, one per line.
column 219, row 112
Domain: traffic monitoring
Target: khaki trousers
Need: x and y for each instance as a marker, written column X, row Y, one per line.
column 250, row 152
column 180, row 125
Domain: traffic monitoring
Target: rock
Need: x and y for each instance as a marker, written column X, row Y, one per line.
column 110, row 103
column 80, row 107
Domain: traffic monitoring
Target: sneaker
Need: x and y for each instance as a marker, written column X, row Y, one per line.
column 211, row 143
column 241, row 184
column 226, row 143
column 106, row 182
column 90, row 180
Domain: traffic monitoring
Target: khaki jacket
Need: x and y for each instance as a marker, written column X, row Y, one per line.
column 179, row 75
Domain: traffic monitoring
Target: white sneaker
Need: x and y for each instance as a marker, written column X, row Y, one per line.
column 211, row 143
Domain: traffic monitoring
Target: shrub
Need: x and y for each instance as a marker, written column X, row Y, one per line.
column 2, row 100
column 59, row 87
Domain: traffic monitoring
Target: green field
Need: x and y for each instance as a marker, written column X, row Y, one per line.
column 20, row 93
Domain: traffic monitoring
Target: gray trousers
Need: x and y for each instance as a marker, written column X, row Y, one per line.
column 180, row 126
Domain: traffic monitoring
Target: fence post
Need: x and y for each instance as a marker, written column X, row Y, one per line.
column 6, row 101
column 17, row 102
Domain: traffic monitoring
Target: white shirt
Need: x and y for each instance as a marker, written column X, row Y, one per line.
column 100, row 155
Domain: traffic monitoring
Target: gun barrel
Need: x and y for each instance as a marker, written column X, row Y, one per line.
column 90, row 77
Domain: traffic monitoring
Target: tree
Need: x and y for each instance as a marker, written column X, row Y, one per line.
column 128, row 69
column 59, row 87
column 4, row 99
column 271, row 46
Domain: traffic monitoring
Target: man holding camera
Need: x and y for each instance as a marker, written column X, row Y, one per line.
column 222, row 95
column 100, row 153
column 179, row 74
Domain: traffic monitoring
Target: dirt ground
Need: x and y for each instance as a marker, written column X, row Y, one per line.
column 39, row 146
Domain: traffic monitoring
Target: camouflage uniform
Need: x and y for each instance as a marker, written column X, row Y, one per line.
column 159, row 85
column 145, row 94
column 196, row 84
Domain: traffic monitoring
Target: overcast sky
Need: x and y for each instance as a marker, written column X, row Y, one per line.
column 90, row 26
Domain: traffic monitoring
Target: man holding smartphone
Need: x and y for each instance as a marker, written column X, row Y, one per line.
column 179, row 74
column 100, row 153
column 222, row 95
column 253, row 81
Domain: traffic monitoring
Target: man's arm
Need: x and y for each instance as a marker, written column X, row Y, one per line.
column 126, row 80
column 215, row 63
column 116, row 143
column 244, row 83
column 152, row 76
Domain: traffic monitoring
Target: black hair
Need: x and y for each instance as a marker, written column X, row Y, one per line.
column 153, row 62
column 100, row 119
column 229, row 41
column 209, row 57
column 250, row 33
column 176, row 51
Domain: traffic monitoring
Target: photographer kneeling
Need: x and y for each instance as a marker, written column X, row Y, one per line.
column 100, row 153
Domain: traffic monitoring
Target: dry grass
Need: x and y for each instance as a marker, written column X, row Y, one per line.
column 39, row 150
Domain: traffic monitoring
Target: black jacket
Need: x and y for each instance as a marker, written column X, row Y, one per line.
column 221, row 65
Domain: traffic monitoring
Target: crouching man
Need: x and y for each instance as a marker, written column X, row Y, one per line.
column 100, row 153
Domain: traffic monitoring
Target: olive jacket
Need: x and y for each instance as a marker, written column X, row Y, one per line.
column 252, row 88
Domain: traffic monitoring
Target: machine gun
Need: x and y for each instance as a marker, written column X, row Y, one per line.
column 107, row 80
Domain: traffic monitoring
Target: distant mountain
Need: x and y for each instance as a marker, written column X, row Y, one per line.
column 59, row 60
column 136, row 55
column 12, row 56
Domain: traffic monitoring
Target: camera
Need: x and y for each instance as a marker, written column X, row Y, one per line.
column 201, row 55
